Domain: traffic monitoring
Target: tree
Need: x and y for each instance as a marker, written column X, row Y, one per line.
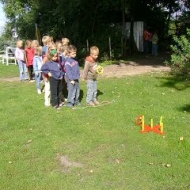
column 80, row 20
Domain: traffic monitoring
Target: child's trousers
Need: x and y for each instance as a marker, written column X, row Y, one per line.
column 91, row 91
column 73, row 93
column 47, row 93
column 38, row 80
column 22, row 70
column 55, row 89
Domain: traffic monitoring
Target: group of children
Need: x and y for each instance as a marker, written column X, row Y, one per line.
column 55, row 70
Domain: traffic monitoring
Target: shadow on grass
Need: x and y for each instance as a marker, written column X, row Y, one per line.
column 178, row 83
column 142, row 59
column 81, row 95
column 185, row 108
column 99, row 93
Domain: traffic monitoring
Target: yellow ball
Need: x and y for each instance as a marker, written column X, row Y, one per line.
column 99, row 69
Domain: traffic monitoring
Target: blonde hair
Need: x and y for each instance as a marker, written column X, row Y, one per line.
column 71, row 48
column 58, row 45
column 94, row 49
column 34, row 43
column 27, row 42
column 63, row 48
column 46, row 39
column 38, row 51
column 65, row 41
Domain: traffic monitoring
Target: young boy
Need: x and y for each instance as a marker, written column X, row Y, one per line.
column 91, row 75
column 73, row 75
column 62, row 58
column 45, row 40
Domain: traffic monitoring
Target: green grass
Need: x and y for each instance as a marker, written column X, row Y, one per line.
column 105, row 140
column 9, row 71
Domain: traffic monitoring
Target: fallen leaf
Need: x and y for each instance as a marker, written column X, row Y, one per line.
column 168, row 165
column 29, row 141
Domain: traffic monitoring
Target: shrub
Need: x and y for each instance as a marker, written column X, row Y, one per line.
column 180, row 58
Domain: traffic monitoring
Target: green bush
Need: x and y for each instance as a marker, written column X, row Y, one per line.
column 180, row 58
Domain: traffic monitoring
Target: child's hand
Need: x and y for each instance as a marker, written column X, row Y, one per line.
column 72, row 82
column 49, row 74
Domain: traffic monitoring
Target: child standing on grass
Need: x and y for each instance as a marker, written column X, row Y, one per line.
column 62, row 59
column 46, row 86
column 53, row 69
column 90, row 76
column 37, row 64
column 20, row 57
column 73, row 75
column 46, row 41
column 29, row 54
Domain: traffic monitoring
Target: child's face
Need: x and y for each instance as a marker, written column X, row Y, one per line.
column 73, row 54
column 65, row 53
column 29, row 44
column 94, row 54
column 65, row 41
column 59, row 45
column 20, row 44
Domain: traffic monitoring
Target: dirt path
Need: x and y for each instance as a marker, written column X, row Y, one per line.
column 134, row 66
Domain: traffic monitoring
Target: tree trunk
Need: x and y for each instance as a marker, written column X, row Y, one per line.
column 123, row 29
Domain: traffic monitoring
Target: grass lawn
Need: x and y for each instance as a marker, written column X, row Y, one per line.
column 96, row 148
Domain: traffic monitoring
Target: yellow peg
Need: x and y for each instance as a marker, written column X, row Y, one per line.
column 161, row 127
column 151, row 123
column 160, row 120
column 143, row 123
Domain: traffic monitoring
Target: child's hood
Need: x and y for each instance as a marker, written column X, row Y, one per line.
column 90, row 59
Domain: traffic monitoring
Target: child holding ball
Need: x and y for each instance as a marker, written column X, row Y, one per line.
column 90, row 75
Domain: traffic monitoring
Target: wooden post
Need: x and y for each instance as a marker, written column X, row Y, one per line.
column 87, row 45
column 110, row 47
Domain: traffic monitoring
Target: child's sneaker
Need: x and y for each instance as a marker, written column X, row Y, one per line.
column 39, row 91
column 96, row 103
column 61, row 104
column 57, row 107
column 91, row 104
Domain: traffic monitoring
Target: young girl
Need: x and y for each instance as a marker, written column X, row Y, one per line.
column 53, row 69
column 29, row 54
column 37, row 64
column 20, row 57
column 34, row 44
